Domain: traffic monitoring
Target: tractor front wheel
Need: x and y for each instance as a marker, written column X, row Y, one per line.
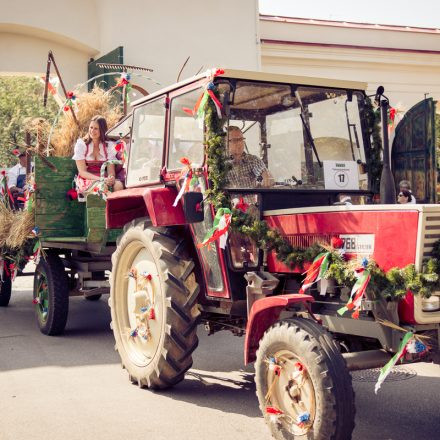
column 153, row 300
column 303, row 385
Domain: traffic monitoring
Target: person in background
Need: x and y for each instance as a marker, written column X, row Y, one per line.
column 17, row 175
column 405, row 185
column 90, row 153
column 17, row 179
column 404, row 196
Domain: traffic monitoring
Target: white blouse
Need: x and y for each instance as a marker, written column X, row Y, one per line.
column 81, row 148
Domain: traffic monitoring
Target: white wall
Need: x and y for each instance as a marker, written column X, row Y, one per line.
column 407, row 65
column 155, row 34
column 161, row 35
column 25, row 54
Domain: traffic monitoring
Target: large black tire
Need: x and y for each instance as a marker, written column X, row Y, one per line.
column 5, row 290
column 333, row 408
column 162, row 360
column 51, row 286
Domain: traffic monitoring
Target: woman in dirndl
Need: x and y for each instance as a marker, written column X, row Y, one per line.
column 90, row 153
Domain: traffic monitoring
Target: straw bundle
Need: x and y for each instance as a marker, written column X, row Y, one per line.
column 21, row 229
column 6, row 221
column 39, row 128
column 96, row 102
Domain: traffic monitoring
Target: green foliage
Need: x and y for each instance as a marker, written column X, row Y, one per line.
column 20, row 98
column 375, row 154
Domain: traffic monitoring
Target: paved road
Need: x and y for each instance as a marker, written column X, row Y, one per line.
column 72, row 387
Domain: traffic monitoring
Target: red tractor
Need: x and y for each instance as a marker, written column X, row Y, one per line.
column 295, row 154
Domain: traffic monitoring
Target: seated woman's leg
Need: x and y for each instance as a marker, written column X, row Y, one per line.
column 118, row 185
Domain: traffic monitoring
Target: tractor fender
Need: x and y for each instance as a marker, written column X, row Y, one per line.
column 263, row 314
column 153, row 202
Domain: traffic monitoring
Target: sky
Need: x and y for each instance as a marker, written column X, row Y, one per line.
column 419, row 13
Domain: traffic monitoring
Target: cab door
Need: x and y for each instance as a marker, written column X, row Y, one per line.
column 186, row 140
column 413, row 154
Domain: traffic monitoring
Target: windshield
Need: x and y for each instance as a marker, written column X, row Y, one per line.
column 299, row 137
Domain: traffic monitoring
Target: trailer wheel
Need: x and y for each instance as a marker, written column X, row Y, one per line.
column 5, row 290
column 51, row 295
column 302, row 376
column 156, row 351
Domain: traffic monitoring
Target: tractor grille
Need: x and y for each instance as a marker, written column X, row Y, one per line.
column 304, row 241
column 430, row 234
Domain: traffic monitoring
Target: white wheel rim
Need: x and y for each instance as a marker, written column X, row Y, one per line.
column 142, row 347
column 292, row 393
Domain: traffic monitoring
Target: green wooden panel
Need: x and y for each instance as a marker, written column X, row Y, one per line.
column 54, row 214
column 67, row 239
column 94, row 201
column 58, row 220
column 55, row 206
column 97, row 236
column 96, row 218
column 107, row 81
column 113, row 234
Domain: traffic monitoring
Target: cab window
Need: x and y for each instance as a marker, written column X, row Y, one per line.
column 146, row 149
column 186, row 132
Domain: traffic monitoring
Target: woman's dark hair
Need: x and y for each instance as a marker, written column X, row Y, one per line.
column 406, row 194
column 102, row 123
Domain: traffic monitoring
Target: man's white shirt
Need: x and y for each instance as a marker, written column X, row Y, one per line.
column 13, row 174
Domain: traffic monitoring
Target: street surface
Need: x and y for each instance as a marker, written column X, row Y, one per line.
column 72, row 387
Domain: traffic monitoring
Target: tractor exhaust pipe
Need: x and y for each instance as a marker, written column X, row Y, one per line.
column 362, row 360
column 387, row 186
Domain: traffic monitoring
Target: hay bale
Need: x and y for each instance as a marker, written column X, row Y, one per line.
column 20, row 229
column 6, row 222
column 96, row 102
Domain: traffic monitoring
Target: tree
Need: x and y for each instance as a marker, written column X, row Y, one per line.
column 20, row 98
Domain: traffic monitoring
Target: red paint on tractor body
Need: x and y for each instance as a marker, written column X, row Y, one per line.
column 153, row 202
column 263, row 314
column 395, row 233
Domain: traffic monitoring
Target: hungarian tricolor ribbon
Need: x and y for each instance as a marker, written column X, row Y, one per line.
column 120, row 148
column 219, row 230
column 240, row 204
column 69, row 101
column 316, row 271
column 199, row 108
column 393, row 361
column 101, row 188
column 4, row 188
column 357, row 293
column 189, row 179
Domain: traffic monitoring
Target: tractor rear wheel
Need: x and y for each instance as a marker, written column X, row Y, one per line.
column 303, row 385
column 5, row 290
column 153, row 300
column 51, row 295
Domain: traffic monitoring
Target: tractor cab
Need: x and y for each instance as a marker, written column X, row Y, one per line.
column 312, row 143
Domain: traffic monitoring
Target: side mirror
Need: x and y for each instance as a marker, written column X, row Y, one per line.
column 193, row 206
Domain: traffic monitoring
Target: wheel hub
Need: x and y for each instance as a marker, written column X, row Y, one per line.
column 143, row 312
column 290, row 393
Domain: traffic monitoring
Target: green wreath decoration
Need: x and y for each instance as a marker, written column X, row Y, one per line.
column 391, row 285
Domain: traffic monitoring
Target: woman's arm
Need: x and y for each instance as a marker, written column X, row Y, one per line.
column 82, row 170
column 111, row 173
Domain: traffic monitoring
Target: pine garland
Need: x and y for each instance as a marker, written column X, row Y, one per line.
column 374, row 158
column 391, row 285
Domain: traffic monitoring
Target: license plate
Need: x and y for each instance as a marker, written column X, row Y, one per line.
column 362, row 244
